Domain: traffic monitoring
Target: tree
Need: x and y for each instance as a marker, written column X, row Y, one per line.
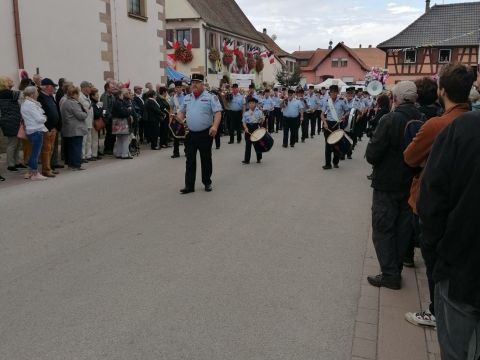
column 286, row 78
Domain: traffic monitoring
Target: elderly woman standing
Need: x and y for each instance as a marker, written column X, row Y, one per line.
column 10, row 122
column 121, row 112
column 74, row 127
column 34, row 119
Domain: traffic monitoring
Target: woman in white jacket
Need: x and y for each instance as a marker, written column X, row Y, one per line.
column 34, row 119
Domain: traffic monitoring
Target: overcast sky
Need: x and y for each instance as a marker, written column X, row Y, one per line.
column 311, row 24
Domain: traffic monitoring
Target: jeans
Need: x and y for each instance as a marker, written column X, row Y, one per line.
column 13, row 151
column 36, row 140
column 391, row 229
column 74, row 145
column 458, row 326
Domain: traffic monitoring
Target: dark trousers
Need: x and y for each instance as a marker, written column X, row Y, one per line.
column 163, row 133
column 277, row 114
column 319, row 121
column 391, row 229
column 141, row 130
column 176, row 147
column 74, row 151
column 312, row 118
column 109, row 138
column 329, row 150
column 151, row 132
column 290, row 126
column 248, row 143
column 458, row 326
column 429, row 259
column 235, row 125
column 270, row 121
column 202, row 142
column 308, row 118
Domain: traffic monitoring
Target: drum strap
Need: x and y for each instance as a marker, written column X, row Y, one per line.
column 332, row 110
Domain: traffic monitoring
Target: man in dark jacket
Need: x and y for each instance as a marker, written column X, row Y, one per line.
column 391, row 215
column 448, row 208
column 49, row 106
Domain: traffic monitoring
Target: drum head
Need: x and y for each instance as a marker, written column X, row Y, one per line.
column 335, row 137
column 258, row 134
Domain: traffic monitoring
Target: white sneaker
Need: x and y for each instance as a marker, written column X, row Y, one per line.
column 421, row 318
column 27, row 175
column 38, row 177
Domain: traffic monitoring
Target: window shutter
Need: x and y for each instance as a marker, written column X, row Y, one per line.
column 196, row 38
column 170, row 35
column 400, row 57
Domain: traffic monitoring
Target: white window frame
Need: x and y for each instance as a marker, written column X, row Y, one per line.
column 449, row 56
column 405, row 57
column 337, row 61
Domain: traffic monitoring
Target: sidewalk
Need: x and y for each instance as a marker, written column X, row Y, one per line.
column 381, row 331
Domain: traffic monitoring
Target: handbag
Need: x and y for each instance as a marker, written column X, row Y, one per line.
column 99, row 124
column 21, row 134
column 120, row 126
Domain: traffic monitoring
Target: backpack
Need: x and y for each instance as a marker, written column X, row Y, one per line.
column 411, row 129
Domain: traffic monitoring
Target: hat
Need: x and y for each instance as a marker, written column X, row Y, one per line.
column 47, row 81
column 405, row 91
column 324, row 88
column 333, row 88
column 275, row 89
column 351, row 89
column 178, row 83
column 252, row 98
column 235, row 86
column 251, row 86
column 198, row 77
column 301, row 91
column 311, row 87
column 290, row 91
column 171, row 86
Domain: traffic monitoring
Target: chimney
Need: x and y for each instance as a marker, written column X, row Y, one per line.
column 265, row 31
column 427, row 5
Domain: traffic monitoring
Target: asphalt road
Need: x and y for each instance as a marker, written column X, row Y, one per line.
column 113, row 263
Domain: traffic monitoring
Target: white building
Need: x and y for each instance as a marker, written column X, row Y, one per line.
column 206, row 25
column 84, row 40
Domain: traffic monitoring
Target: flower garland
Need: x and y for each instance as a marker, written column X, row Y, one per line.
column 251, row 62
column 259, row 65
column 376, row 73
column 213, row 55
column 227, row 57
column 182, row 53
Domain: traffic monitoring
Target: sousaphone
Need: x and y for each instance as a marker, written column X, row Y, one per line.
column 374, row 88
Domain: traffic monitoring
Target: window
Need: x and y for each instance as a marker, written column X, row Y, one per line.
column 212, row 40
column 303, row 62
column 343, row 62
column 184, row 35
column 136, row 8
column 444, row 55
column 410, row 56
column 335, row 62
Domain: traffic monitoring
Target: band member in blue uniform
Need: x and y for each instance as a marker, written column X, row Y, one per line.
column 277, row 109
column 292, row 117
column 236, row 104
column 204, row 113
column 268, row 105
column 252, row 120
column 312, row 104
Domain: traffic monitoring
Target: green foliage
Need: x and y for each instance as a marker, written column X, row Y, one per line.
column 285, row 78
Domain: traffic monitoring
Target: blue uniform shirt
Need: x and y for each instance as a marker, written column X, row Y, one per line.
column 237, row 102
column 276, row 101
column 355, row 103
column 252, row 117
column 340, row 106
column 177, row 99
column 293, row 108
column 268, row 103
column 312, row 102
column 200, row 111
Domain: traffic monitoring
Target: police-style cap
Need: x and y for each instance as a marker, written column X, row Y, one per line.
column 333, row 88
column 252, row 99
column 351, row 89
column 178, row 83
column 311, row 87
column 300, row 91
column 47, row 81
column 290, row 91
column 251, row 86
column 198, row 77
column 275, row 89
column 235, row 86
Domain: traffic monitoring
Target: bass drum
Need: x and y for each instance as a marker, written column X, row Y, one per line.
column 339, row 142
column 261, row 140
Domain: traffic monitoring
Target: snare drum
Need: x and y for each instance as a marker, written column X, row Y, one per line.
column 179, row 130
column 339, row 142
column 261, row 140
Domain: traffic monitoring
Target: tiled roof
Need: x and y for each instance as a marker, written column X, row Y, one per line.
column 303, row 55
column 441, row 22
column 272, row 45
column 316, row 59
column 371, row 56
column 226, row 15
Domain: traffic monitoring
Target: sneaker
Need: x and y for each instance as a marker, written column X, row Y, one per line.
column 421, row 318
column 27, row 176
column 381, row 280
column 38, row 177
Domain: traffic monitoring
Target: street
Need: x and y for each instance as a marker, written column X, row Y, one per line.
column 113, row 263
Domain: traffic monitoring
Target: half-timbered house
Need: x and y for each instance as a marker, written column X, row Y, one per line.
column 443, row 34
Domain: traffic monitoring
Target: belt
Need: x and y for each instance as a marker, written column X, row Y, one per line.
column 199, row 132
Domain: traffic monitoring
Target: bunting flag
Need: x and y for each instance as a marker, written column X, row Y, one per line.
column 264, row 54
column 271, row 58
column 172, row 61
